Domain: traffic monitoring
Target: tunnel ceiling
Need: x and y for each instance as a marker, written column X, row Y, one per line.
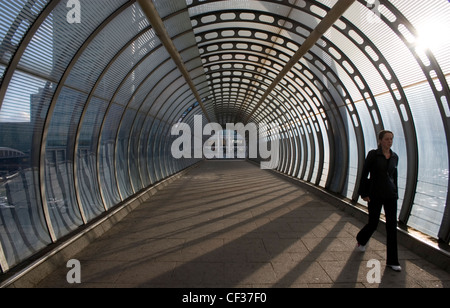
column 87, row 83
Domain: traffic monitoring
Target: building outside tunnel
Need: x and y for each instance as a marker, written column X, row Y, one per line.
column 91, row 91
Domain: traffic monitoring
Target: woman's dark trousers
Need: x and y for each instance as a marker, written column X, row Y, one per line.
column 390, row 211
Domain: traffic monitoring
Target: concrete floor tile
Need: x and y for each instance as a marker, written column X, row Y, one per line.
column 146, row 273
column 292, row 273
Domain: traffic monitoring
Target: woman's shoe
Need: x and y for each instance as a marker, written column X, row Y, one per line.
column 396, row 268
column 360, row 247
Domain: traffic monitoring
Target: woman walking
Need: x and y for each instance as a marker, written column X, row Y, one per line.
column 381, row 190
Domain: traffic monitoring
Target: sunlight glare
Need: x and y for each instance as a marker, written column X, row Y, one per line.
column 431, row 35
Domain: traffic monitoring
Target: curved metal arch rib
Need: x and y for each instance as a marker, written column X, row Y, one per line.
column 154, row 18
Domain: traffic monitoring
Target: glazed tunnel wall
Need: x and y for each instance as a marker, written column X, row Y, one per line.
column 90, row 94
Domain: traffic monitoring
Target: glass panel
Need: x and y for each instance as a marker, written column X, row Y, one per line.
column 87, row 176
column 134, row 154
column 159, row 151
column 124, row 64
column 135, row 88
column 122, row 157
column 102, row 49
column 144, row 157
column 431, row 192
column 153, row 162
column 23, row 230
column 16, row 17
column 108, row 179
column 431, row 23
column 57, row 40
column 62, row 204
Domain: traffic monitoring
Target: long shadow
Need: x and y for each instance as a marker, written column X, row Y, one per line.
column 179, row 231
column 242, row 258
column 302, row 266
column 350, row 274
column 233, row 256
column 156, row 210
column 202, row 212
column 236, row 265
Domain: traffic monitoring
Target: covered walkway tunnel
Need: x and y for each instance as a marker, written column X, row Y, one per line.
column 94, row 95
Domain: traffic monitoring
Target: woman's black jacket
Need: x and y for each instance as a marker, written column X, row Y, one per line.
column 382, row 183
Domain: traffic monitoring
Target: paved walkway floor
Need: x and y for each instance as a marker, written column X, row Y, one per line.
column 228, row 225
